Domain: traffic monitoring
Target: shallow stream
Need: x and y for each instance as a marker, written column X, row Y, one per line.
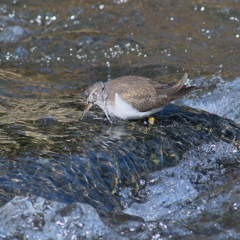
column 70, row 179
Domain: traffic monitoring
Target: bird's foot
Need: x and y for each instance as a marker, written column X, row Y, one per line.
column 149, row 121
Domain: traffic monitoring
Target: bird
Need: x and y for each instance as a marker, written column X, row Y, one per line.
column 133, row 97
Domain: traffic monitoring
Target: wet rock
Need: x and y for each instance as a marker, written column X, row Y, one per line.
column 191, row 153
column 221, row 101
column 38, row 218
column 201, row 169
column 47, row 121
column 77, row 162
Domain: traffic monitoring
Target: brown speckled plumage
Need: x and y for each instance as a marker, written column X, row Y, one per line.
column 143, row 94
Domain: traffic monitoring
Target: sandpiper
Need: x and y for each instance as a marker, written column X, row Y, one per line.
column 133, row 97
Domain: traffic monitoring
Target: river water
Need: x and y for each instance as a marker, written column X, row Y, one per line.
column 51, row 51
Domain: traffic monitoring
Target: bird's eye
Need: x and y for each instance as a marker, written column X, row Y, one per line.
column 90, row 98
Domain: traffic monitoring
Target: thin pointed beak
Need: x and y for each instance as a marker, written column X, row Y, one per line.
column 87, row 107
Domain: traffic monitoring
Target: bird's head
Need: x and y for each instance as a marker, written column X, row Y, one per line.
column 94, row 96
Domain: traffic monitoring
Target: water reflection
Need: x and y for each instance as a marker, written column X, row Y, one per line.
column 117, row 132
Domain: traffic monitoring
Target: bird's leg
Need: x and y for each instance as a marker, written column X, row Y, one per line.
column 149, row 121
column 104, row 97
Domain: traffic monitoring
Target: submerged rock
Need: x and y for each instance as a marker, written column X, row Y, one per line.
column 188, row 153
column 172, row 206
column 47, row 121
column 73, row 162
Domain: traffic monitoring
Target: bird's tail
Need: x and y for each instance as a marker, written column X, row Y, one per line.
column 183, row 91
column 178, row 86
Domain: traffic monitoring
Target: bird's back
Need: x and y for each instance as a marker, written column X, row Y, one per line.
column 145, row 94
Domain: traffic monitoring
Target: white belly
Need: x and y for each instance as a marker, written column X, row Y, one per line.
column 125, row 111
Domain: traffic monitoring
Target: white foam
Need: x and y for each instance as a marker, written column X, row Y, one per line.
column 224, row 100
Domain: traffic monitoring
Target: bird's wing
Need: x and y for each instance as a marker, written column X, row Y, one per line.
column 138, row 91
column 145, row 94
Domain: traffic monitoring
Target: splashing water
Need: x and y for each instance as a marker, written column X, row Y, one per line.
column 224, row 100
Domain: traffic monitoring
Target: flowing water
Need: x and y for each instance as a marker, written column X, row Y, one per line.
column 50, row 52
